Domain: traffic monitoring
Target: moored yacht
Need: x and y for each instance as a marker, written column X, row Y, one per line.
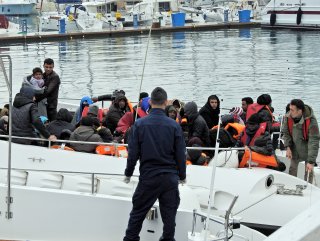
column 297, row 14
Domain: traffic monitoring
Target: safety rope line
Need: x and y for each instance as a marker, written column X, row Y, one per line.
column 145, row 59
column 253, row 204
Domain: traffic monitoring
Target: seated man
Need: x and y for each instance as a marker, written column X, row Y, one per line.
column 25, row 118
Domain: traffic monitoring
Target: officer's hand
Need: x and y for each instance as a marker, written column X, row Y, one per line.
column 289, row 153
column 126, row 180
column 184, row 181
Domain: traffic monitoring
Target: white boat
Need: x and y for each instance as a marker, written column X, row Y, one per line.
column 297, row 14
column 89, row 200
column 18, row 7
column 8, row 27
column 88, row 16
column 263, row 193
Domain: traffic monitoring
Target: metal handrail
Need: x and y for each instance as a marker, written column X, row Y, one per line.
column 9, row 86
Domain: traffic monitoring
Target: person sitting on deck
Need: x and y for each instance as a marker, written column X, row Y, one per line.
column 210, row 111
column 197, row 126
column 25, row 118
column 62, row 122
column 86, row 132
column 85, row 101
column 116, row 111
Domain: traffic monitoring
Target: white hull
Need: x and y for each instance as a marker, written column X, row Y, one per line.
column 286, row 14
column 250, row 184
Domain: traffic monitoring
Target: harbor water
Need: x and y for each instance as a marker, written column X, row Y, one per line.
column 191, row 66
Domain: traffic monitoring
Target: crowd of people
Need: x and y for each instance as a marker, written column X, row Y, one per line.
column 35, row 115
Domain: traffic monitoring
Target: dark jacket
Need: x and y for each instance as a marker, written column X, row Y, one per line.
column 25, row 118
column 85, row 134
column 211, row 116
column 157, row 141
column 51, row 92
column 115, row 113
column 62, row 122
column 198, row 128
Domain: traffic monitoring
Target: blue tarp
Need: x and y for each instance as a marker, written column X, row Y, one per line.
column 68, row 1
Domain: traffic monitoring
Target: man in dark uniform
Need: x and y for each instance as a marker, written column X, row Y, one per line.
column 52, row 83
column 157, row 141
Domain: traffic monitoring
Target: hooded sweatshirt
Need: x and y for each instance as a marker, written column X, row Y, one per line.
column 62, row 122
column 211, row 116
column 302, row 150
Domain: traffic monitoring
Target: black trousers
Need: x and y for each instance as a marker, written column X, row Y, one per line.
column 52, row 114
column 163, row 187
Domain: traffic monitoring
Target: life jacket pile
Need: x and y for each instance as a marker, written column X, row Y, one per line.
column 258, row 160
column 111, row 150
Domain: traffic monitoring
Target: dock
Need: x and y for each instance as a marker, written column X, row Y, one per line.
column 126, row 31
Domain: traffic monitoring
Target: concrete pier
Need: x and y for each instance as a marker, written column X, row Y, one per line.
column 127, row 31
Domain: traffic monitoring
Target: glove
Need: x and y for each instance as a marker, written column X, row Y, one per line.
column 126, row 180
column 184, row 181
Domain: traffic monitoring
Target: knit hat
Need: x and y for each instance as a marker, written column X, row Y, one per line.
column 143, row 95
column 27, row 92
column 264, row 99
column 236, row 111
column 190, row 108
column 93, row 110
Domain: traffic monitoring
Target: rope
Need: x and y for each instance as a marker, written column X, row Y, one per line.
column 253, row 204
column 145, row 60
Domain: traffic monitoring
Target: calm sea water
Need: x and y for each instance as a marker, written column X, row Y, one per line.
column 190, row 66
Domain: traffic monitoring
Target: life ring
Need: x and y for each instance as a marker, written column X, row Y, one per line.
column 62, row 147
column 273, row 18
column 299, row 16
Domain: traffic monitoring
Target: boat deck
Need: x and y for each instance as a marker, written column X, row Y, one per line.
column 127, row 31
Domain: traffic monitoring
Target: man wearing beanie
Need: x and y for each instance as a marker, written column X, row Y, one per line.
column 162, row 164
column 25, row 117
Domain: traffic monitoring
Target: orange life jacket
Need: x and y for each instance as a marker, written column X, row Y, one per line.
column 305, row 127
column 259, row 132
column 62, row 147
column 130, row 106
column 120, row 151
column 141, row 113
column 86, row 109
column 258, row 160
column 238, row 127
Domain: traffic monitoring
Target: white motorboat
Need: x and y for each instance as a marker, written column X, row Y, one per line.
column 297, row 14
column 18, row 7
column 89, row 200
column 8, row 27
column 263, row 193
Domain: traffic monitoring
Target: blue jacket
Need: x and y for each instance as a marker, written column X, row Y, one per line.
column 158, row 142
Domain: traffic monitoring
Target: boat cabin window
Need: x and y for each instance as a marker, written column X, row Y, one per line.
column 112, row 7
column 164, row 6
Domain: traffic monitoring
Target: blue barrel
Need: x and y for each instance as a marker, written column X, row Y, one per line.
column 244, row 16
column 62, row 25
column 135, row 20
column 178, row 19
